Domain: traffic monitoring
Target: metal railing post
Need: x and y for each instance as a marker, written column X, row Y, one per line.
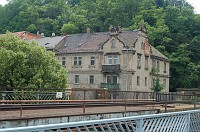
column 125, row 103
column 153, row 100
column 139, row 124
column 21, row 110
column 3, row 96
column 188, row 122
column 165, row 103
column 84, row 102
column 194, row 101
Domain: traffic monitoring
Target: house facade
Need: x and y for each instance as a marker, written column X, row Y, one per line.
column 118, row 60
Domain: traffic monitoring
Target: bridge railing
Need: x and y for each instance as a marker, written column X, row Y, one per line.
column 186, row 121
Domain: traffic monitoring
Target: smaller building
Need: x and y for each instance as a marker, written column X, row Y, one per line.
column 49, row 42
column 26, row 35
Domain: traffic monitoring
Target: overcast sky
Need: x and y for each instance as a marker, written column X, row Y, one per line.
column 194, row 3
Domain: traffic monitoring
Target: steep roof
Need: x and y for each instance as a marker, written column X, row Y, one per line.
column 92, row 42
column 156, row 53
column 26, row 35
column 49, row 42
column 129, row 38
column 87, row 42
column 19, row 34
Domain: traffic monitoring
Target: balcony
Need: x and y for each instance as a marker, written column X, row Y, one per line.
column 110, row 86
column 111, row 68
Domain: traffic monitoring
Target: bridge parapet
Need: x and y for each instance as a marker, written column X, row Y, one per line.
column 185, row 121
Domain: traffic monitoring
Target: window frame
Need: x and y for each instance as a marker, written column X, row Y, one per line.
column 165, row 67
column 112, row 79
column 113, row 43
column 145, row 81
column 153, row 63
column 91, row 79
column 113, row 59
column 77, row 61
column 164, row 82
column 92, row 60
column 63, row 61
column 138, row 80
column 158, row 65
column 142, row 46
column 146, row 62
column 76, row 79
column 139, row 56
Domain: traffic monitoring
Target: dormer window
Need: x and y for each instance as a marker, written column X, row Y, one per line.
column 142, row 45
column 158, row 65
column 165, row 67
column 113, row 42
column 146, row 62
column 139, row 61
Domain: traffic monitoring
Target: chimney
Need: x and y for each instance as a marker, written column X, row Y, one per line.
column 38, row 35
column 64, row 34
column 53, row 34
column 110, row 28
column 42, row 35
column 88, row 30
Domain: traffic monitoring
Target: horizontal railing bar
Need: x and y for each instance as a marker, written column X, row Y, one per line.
column 55, row 101
column 93, row 122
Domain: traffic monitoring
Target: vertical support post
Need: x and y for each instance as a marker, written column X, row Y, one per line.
column 139, row 124
column 188, row 122
column 125, row 103
column 84, row 101
column 22, row 94
column 165, row 103
column 21, row 111
column 3, row 96
column 38, row 97
column 104, row 94
column 153, row 100
column 194, row 101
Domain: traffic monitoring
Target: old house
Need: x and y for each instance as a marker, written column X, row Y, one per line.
column 27, row 35
column 49, row 42
column 119, row 60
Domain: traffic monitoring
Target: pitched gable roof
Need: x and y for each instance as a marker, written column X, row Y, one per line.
column 92, row 42
column 87, row 42
column 128, row 38
column 156, row 53
column 49, row 42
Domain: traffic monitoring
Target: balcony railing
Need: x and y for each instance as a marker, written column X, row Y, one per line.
column 107, row 68
column 110, row 86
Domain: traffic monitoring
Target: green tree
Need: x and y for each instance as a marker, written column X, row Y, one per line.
column 154, row 21
column 29, row 65
column 69, row 28
column 184, row 73
column 156, row 86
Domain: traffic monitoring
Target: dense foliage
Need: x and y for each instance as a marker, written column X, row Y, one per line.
column 28, row 65
column 173, row 27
